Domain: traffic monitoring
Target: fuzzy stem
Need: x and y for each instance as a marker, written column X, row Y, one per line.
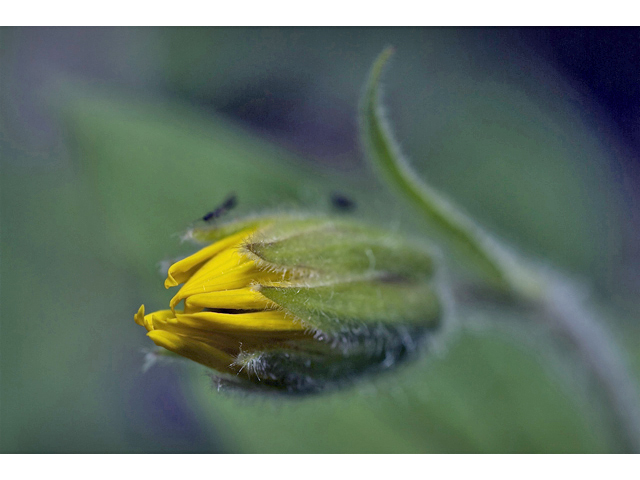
column 494, row 261
column 569, row 315
column 501, row 267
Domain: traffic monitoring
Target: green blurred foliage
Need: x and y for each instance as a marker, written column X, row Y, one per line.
column 482, row 395
column 86, row 219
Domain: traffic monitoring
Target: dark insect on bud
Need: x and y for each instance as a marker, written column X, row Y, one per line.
column 230, row 202
column 342, row 203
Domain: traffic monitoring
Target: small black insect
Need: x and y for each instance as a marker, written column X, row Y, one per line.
column 230, row 202
column 342, row 203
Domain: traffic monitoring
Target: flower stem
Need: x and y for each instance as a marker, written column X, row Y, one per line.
column 570, row 316
column 501, row 267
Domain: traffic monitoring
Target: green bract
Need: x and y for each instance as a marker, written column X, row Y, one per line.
column 298, row 304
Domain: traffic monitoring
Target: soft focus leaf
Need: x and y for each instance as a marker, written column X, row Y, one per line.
column 158, row 168
column 483, row 395
column 81, row 240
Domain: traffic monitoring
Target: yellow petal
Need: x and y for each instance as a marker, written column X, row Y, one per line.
column 238, row 299
column 194, row 350
column 255, row 323
column 181, row 271
column 227, row 339
column 227, row 259
column 241, row 276
column 139, row 317
column 159, row 319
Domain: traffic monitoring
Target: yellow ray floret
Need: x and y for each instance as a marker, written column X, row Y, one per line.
column 224, row 310
column 228, row 269
column 195, row 350
column 180, row 271
column 248, row 324
column 258, row 323
column 239, row 299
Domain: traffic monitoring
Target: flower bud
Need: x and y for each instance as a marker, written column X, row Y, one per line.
column 297, row 304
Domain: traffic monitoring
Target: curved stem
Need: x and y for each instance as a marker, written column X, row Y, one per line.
column 494, row 261
column 502, row 268
column 566, row 310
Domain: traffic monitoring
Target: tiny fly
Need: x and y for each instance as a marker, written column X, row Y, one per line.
column 230, row 202
column 342, row 203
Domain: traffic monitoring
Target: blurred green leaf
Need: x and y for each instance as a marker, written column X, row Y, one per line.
column 483, row 395
column 152, row 166
column 157, row 168
column 81, row 242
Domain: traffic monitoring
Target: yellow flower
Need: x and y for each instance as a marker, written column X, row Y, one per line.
column 296, row 304
column 224, row 309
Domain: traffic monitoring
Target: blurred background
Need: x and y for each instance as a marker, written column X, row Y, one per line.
column 113, row 140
